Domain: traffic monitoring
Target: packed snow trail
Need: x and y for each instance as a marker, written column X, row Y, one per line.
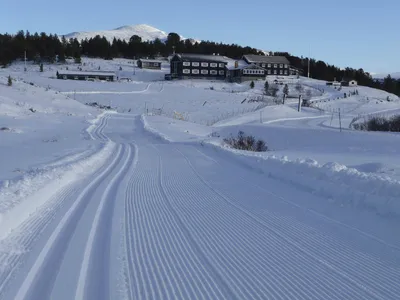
column 178, row 221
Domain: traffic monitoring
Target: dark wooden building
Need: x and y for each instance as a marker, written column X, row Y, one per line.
column 149, row 64
column 184, row 66
column 274, row 65
column 86, row 75
column 240, row 70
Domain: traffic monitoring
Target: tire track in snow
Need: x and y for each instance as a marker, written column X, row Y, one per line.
column 50, row 258
column 101, row 219
column 158, row 251
column 377, row 292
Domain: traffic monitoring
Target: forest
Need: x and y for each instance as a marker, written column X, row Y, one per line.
column 51, row 48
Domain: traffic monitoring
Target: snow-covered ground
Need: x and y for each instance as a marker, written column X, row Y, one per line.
column 146, row 202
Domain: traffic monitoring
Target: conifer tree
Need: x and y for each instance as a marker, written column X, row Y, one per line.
column 252, row 84
column 41, row 67
column 9, row 81
column 286, row 90
column 266, row 88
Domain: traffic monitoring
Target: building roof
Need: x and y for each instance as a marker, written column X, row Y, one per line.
column 202, row 57
column 86, row 73
column 150, row 60
column 241, row 64
column 252, row 58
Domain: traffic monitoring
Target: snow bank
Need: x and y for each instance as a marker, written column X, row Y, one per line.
column 21, row 198
column 335, row 182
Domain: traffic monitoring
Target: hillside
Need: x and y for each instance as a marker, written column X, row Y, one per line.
column 146, row 32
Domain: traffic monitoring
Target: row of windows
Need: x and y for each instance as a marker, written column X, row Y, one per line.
column 203, row 64
column 255, row 72
column 281, row 72
column 203, row 72
column 275, row 65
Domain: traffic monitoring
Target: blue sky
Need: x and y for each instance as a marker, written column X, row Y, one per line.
column 355, row 33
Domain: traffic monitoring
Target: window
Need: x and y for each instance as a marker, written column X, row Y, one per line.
column 222, row 72
column 269, row 72
column 286, row 66
column 275, row 65
column 195, row 64
column 269, row 65
column 263, row 65
column 281, row 72
column 213, row 65
column 186, row 71
column 204, row 72
column 286, row 72
column 213, row 72
column 275, row 72
column 222, row 65
column 281, row 66
column 195, row 71
column 186, row 64
column 204, row 64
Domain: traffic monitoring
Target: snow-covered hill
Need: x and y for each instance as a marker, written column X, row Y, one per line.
column 381, row 76
column 146, row 32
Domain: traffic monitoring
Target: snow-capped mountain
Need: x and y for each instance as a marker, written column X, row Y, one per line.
column 395, row 75
column 146, row 32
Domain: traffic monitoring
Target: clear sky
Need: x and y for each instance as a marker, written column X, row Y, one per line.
column 360, row 34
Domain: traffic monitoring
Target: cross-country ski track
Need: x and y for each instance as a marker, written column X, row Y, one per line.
column 159, row 220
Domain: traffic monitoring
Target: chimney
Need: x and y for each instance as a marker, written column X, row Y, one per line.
column 236, row 64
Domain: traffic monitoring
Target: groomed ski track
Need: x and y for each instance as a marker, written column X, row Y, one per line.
column 161, row 220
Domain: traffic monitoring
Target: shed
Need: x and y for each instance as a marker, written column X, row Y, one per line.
column 149, row 64
column 86, row 75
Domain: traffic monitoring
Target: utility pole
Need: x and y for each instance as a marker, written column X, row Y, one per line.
column 299, row 107
column 309, row 54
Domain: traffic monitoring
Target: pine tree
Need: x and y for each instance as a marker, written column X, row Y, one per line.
column 266, row 88
column 41, row 67
column 252, row 84
column 78, row 59
column 9, row 81
column 286, row 90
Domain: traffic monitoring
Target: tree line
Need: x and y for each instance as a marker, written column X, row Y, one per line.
column 51, row 48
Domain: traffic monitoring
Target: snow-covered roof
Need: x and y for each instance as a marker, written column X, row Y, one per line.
column 203, row 57
column 150, row 60
column 86, row 73
column 252, row 58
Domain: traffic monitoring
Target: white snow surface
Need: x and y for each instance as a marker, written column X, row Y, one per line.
column 146, row 201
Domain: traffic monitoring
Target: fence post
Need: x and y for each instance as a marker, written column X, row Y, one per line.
column 340, row 121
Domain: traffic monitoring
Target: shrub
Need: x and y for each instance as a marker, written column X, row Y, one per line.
column 379, row 123
column 252, row 84
column 246, row 142
column 9, row 81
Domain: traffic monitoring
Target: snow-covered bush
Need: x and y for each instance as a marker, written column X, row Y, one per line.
column 379, row 123
column 246, row 142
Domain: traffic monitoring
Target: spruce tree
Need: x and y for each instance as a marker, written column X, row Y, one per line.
column 41, row 67
column 286, row 90
column 266, row 88
column 252, row 84
column 9, row 81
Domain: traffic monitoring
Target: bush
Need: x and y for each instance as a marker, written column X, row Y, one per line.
column 246, row 142
column 273, row 90
column 9, row 81
column 252, row 84
column 379, row 123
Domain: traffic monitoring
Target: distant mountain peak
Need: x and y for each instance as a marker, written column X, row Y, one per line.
column 146, row 32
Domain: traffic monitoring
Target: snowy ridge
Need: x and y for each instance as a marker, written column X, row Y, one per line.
column 146, row 32
column 335, row 182
column 395, row 75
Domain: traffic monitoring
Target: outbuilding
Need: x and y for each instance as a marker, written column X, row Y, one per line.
column 349, row 82
column 86, row 75
column 149, row 64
